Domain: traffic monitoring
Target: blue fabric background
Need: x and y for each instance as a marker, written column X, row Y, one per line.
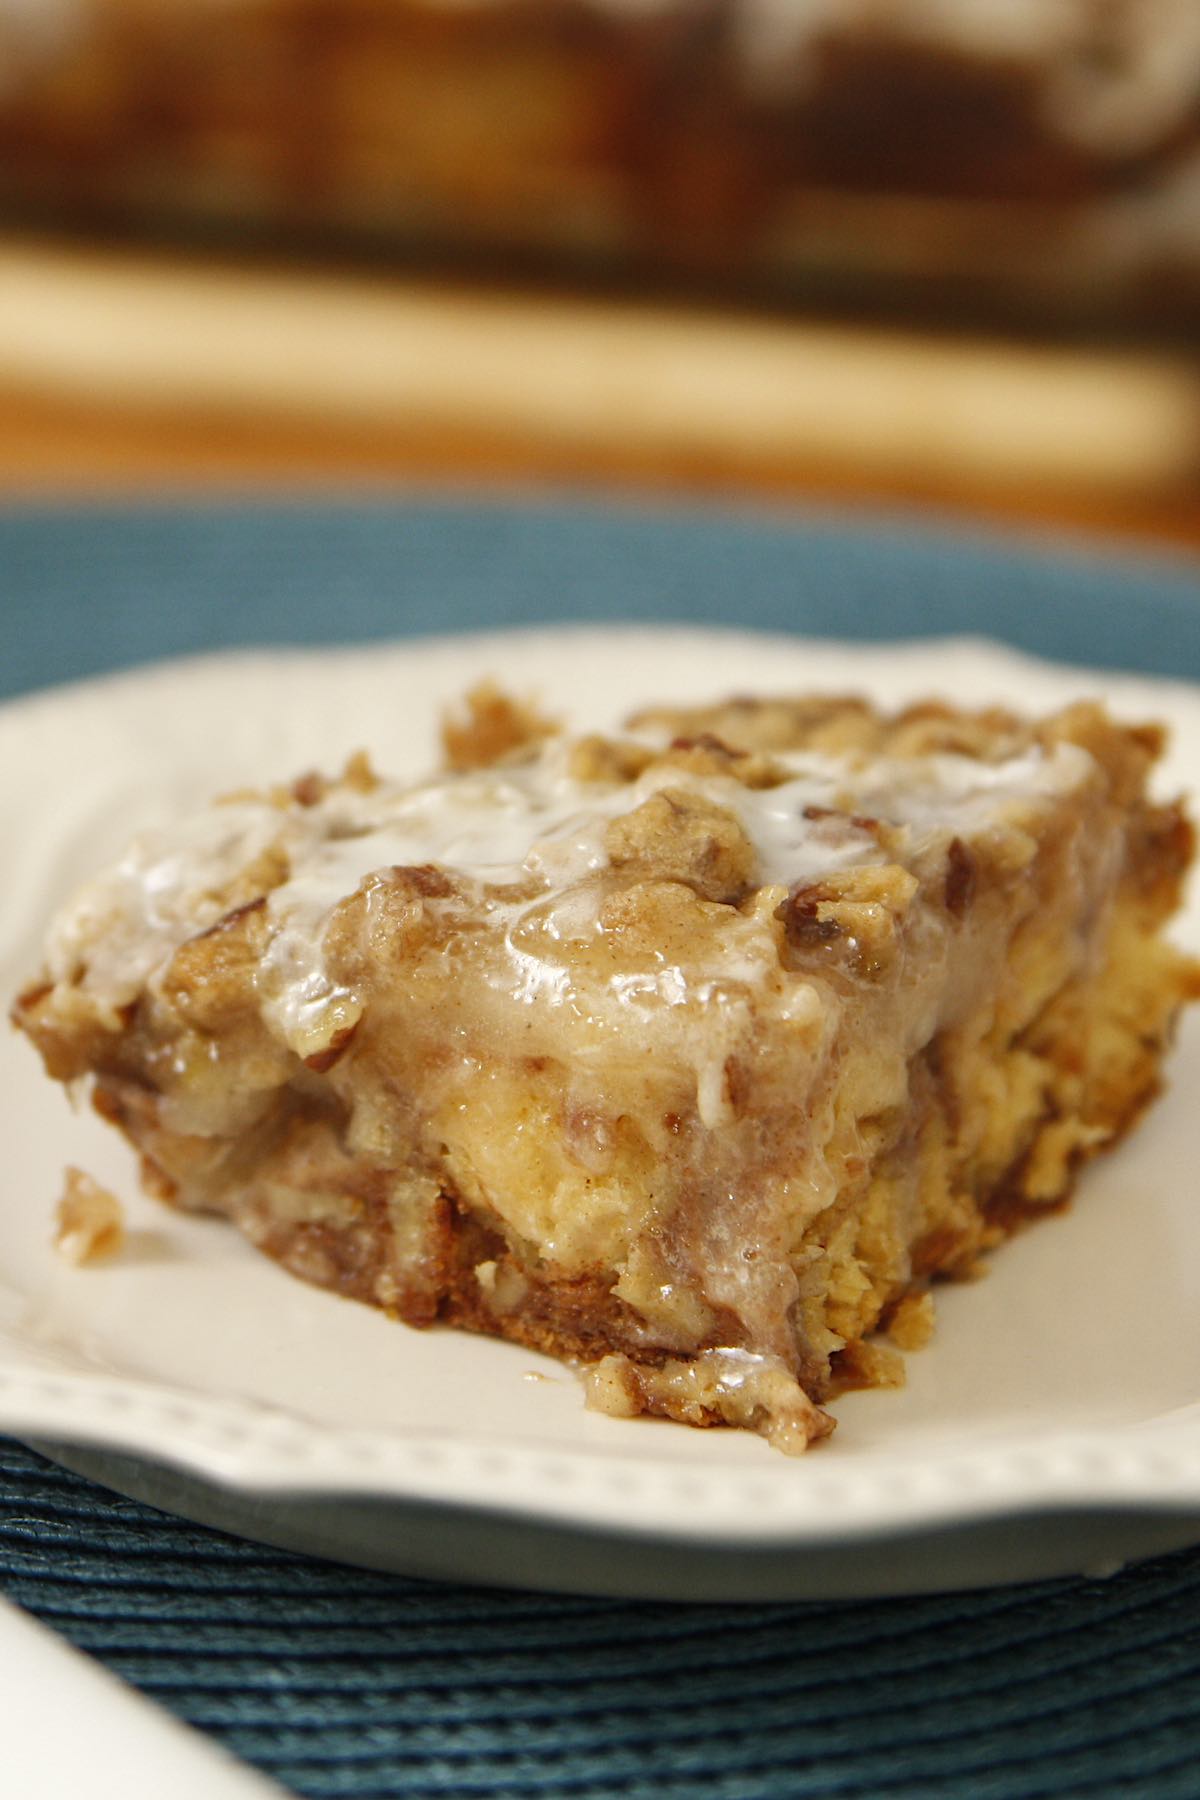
column 343, row 1683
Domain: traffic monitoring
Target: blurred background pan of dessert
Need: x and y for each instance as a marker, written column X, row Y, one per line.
column 1039, row 156
column 992, row 201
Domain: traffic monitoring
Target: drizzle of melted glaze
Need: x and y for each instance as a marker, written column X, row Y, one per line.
column 529, row 824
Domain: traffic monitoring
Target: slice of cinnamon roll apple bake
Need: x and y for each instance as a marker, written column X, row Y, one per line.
column 690, row 1054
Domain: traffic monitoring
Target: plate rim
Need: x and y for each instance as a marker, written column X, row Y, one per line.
column 1083, row 1470
column 1069, row 1476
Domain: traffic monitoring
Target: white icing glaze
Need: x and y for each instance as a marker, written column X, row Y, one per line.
column 125, row 923
column 505, row 830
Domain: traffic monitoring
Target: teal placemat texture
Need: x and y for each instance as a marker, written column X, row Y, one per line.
column 103, row 587
column 344, row 1683
column 348, row 1684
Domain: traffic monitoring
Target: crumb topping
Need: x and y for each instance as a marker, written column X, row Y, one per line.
column 89, row 1221
column 525, row 834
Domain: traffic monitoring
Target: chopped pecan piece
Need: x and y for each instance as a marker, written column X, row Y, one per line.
column 708, row 754
column 597, row 758
column 855, row 911
column 677, row 836
column 494, row 726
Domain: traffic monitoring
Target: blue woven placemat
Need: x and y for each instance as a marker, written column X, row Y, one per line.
column 342, row 1683
column 100, row 587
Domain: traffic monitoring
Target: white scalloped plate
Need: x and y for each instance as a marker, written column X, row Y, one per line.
column 1052, row 1426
